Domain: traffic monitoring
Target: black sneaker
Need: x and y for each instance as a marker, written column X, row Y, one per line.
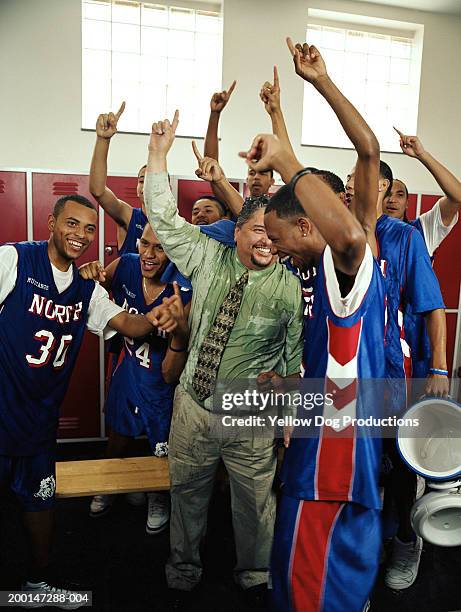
column 256, row 598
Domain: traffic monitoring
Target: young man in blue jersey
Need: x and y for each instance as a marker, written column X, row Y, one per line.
column 45, row 308
column 434, row 226
column 140, row 395
column 327, row 537
column 410, row 285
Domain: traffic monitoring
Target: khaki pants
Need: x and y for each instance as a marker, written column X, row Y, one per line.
column 197, row 442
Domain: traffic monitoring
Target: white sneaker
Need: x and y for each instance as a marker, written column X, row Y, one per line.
column 63, row 598
column 100, row 505
column 136, row 499
column 158, row 512
column 403, row 567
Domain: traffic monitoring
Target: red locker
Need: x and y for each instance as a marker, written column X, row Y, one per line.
column 412, row 201
column 80, row 410
column 452, row 318
column 13, row 206
column 447, row 263
column 189, row 191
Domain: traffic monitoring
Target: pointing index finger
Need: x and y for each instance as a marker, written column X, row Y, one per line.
column 174, row 123
column 398, row 132
column 291, row 46
column 120, row 110
column 231, row 88
column 196, row 152
column 176, row 289
column 276, row 77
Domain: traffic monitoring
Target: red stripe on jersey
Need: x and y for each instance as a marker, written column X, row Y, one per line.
column 334, row 477
column 310, row 554
column 343, row 342
column 341, row 397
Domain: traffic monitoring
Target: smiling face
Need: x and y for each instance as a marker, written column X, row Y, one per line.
column 253, row 244
column 205, row 211
column 152, row 257
column 396, row 203
column 291, row 236
column 259, row 183
column 72, row 231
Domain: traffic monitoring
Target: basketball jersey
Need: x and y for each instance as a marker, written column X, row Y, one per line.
column 344, row 347
column 41, row 331
column 410, row 284
column 142, row 359
column 134, row 232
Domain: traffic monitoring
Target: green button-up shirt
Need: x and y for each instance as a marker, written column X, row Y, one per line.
column 268, row 331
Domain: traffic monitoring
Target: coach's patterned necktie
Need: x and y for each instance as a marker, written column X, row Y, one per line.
column 214, row 343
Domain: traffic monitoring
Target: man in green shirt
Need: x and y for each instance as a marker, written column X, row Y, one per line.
column 246, row 320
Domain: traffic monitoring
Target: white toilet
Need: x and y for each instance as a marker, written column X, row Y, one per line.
column 433, row 450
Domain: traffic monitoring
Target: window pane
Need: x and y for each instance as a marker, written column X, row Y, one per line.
column 96, row 64
column 126, row 65
column 125, row 37
column 207, row 46
column 333, row 39
column 96, row 34
column 152, row 104
column 401, row 47
column 379, row 45
column 378, row 68
column 314, row 36
column 128, row 91
column 181, row 71
column 356, row 41
column 95, row 100
column 180, row 44
column 96, row 10
column 335, row 62
column 355, row 66
column 207, row 22
column 154, row 70
column 126, row 12
column 154, row 15
column 182, row 19
column 400, row 70
column 154, row 41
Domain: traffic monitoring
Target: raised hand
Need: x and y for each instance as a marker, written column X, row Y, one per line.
column 94, row 270
column 410, row 145
column 270, row 94
column 209, row 169
column 221, row 98
column 106, row 124
column 309, row 64
column 266, row 152
column 163, row 135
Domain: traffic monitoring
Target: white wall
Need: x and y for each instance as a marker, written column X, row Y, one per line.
column 40, row 68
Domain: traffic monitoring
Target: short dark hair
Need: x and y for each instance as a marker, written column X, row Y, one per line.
column 222, row 207
column 404, row 186
column 332, row 179
column 271, row 172
column 141, row 169
column 385, row 172
column 250, row 206
column 285, row 204
column 57, row 208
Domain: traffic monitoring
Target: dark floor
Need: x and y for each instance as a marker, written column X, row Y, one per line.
column 124, row 567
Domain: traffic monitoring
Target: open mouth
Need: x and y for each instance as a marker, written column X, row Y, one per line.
column 75, row 245
column 148, row 265
column 263, row 250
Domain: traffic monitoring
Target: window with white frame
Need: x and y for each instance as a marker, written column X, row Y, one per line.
column 156, row 57
column 376, row 65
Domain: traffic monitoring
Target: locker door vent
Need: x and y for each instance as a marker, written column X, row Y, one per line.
column 2, row 186
column 64, row 188
column 69, row 423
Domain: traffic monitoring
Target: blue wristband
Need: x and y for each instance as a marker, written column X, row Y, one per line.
column 437, row 371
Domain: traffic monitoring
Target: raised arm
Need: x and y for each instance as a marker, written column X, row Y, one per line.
column 184, row 243
column 448, row 183
column 338, row 226
column 209, row 170
column 309, row 65
column 436, row 323
column 270, row 95
column 217, row 103
column 106, row 127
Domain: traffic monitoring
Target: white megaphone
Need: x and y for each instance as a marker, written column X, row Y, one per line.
column 433, row 450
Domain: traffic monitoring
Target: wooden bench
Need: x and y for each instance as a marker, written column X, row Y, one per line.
column 106, row 476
